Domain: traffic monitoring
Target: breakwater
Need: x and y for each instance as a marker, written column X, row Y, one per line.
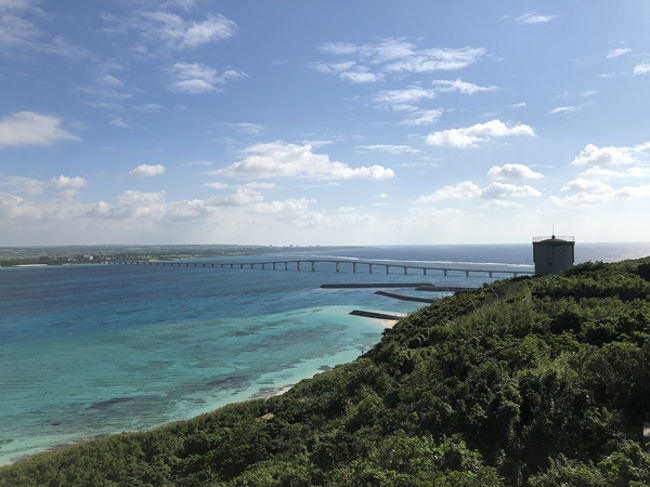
column 405, row 297
column 374, row 314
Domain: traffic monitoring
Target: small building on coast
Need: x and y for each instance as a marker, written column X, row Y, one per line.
column 552, row 254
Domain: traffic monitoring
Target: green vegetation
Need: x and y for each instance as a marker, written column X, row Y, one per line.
column 530, row 382
column 97, row 254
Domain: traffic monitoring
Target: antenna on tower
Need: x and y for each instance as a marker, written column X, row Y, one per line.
column 553, row 233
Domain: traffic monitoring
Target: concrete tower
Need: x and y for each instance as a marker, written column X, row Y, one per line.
column 552, row 254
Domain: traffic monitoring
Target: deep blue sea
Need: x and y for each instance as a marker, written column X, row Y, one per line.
column 88, row 350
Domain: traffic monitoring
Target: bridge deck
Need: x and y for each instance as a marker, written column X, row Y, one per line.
column 368, row 265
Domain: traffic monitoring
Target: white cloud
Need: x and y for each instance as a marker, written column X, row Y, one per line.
column 118, row 122
column 634, row 191
column 147, row 170
column 642, row 68
column 589, row 93
column 19, row 30
column 110, row 81
column 393, row 56
column 517, row 105
column 197, row 78
column 381, row 52
column 334, row 68
column 23, row 185
column 350, row 71
column 31, row 128
column 422, row 117
column 247, row 128
column 278, row 159
column 165, row 29
column 67, row 182
column 33, row 186
column 499, row 191
column 461, row 86
column 6, row 5
column 391, row 149
column 241, row 196
column 582, row 185
column 606, row 174
column 589, row 190
column 588, row 193
column 513, row 171
column 534, row 18
column 217, row 185
column 437, row 59
column 494, row 192
column 381, row 195
column 612, row 53
column 464, row 189
column 214, row 28
column 609, row 156
column 256, row 185
column 361, row 76
column 480, row 132
column 409, row 95
column 580, row 200
column 564, row 109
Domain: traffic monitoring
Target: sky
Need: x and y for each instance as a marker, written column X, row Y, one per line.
column 300, row 122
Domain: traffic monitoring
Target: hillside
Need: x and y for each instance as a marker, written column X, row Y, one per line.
column 530, row 382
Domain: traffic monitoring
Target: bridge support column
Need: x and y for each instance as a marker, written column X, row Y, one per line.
column 313, row 266
column 369, row 268
column 263, row 266
column 273, row 265
column 298, row 265
column 466, row 273
column 354, row 267
column 490, row 274
column 425, row 271
column 286, row 266
column 515, row 274
column 444, row 272
column 232, row 266
column 387, row 269
column 213, row 266
column 252, row 266
column 337, row 267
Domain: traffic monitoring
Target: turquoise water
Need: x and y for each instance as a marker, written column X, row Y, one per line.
column 98, row 349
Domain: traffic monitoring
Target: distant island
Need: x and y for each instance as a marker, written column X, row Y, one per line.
column 532, row 381
column 98, row 254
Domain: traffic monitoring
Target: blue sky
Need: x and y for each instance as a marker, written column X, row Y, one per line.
column 303, row 122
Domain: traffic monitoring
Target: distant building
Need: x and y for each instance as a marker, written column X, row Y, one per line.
column 552, row 254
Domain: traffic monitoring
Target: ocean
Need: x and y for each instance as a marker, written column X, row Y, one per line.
column 89, row 350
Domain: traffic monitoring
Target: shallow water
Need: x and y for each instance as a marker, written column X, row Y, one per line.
column 91, row 350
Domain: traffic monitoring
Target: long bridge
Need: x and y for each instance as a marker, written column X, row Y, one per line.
column 356, row 265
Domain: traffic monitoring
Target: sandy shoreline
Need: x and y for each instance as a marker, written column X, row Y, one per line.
column 386, row 323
